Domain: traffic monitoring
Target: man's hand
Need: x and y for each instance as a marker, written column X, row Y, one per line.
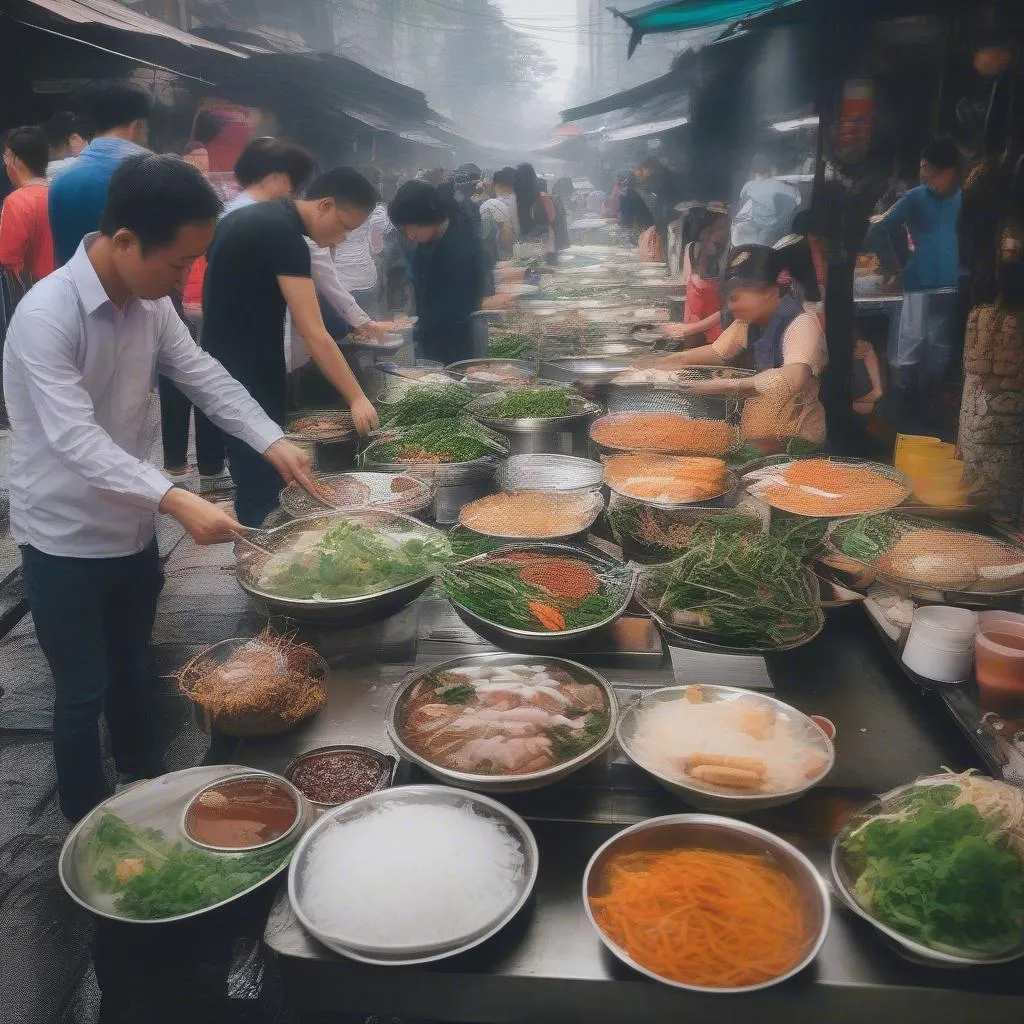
column 292, row 463
column 206, row 523
column 373, row 329
column 364, row 416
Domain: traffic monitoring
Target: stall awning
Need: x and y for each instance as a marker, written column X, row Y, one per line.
column 644, row 129
column 686, row 15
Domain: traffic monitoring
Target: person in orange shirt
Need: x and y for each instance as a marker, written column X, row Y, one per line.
column 26, row 245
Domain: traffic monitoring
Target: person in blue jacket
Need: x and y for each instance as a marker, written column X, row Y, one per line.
column 119, row 112
column 926, row 219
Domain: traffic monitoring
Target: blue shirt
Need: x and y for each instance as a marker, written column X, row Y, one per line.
column 78, row 194
column 931, row 220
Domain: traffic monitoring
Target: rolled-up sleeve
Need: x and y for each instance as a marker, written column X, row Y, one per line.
column 54, row 386
column 731, row 342
column 209, row 386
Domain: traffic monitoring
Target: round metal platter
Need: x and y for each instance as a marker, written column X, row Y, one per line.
column 250, row 562
column 579, row 409
column 298, row 503
column 503, row 783
column 157, row 804
column 596, row 508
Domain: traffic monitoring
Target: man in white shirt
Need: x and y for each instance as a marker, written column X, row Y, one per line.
column 80, row 359
column 498, row 221
column 355, row 260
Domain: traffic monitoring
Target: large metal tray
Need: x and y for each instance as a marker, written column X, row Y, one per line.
column 500, row 783
column 542, row 641
column 159, row 804
column 250, row 561
column 580, row 409
column 298, row 502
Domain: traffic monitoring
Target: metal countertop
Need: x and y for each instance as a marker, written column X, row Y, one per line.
column 548, row 965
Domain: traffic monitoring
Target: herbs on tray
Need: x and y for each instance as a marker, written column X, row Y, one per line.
column 939, row 870
column 351, row 560
column 425, row 402
column 439, row 441
column 152, row 878
column 531, row 403
column 749, row 591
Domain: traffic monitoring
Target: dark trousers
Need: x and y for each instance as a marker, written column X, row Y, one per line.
column 94, row 618
column 175, row 411
column 257, row 484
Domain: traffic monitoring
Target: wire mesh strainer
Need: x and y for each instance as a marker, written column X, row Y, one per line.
column 396, row 492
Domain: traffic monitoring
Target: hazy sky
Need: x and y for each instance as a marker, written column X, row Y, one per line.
column 553, row 24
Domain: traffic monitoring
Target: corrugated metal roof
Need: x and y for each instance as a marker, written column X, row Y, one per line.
column 645, row 128
column 110, row 14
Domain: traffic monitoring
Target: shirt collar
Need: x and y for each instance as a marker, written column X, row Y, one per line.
column 111, row 144
column 83, row 273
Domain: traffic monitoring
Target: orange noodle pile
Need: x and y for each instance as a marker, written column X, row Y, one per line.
column 820, row 487
column 703, row 917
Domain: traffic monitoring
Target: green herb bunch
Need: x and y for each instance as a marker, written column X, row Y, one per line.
column 532, row 403
column 425, row 402
column 451, row 440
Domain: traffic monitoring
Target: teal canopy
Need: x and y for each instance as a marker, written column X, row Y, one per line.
column 685, row 15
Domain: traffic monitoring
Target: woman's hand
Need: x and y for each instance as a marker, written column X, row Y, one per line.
column 711, row 388
column 364, row 416
column 294, row 464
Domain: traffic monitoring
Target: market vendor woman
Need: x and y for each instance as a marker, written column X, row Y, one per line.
column 784, row 343
column 80, row 361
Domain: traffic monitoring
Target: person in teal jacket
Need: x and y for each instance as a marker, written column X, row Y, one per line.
column 925, row 220
column 119, row 111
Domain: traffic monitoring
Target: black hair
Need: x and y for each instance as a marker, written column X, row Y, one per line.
column 62, row 126
column 505, row 176
column 346, row 187
column 207, row 126
column 527, row 189
column 191, row 147
column 417, row 203
column 29, row 145
column 941, row 153
column 760, row 165
column 154, row 196
column 794, row 255
column 263, row 157
column 114, row 103
column 756, row 266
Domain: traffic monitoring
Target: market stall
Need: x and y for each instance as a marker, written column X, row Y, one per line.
column 490, row 658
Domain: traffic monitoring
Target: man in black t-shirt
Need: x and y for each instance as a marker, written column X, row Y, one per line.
column 259, row 268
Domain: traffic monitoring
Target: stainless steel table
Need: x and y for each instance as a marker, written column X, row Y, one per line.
column 549, row 967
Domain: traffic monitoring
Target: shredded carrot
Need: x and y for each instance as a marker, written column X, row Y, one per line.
column 548, row 617
column 702, row 917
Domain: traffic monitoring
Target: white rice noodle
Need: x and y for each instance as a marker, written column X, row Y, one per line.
column 410, row 875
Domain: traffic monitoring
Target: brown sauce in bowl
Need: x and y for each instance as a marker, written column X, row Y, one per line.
column 337, row 776
column 240, row 814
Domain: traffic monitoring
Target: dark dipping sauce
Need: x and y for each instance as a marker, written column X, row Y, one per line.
column 238, row 815
column 337, row 776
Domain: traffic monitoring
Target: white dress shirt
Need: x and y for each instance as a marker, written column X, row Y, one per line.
column 357, row 269
column 333, row 292
column 78, row 375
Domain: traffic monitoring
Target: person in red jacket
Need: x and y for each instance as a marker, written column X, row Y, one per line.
column 26, row 245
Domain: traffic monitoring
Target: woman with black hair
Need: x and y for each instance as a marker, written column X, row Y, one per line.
column 785, row 343
column 536, row 210
column 703, row 256
column 449, row 271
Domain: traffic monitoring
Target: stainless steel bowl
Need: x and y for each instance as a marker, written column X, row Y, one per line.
column 709, row 832
column 730, row 485
column 156, row 803
column 587, row 369
column 580, row 409
column 249, row 563
column 844, row 877
column 503, row 783
column 702, row 640
column 596, row 507
column 387, row 764
column 542, row 641
column 564, row 473
column 417, row 496
column 717, row 800
column 523, row 372
column 430, row 796
column 254, row 776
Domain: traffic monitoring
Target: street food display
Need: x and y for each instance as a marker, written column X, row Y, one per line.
column 665, row 432
column 667, row 479
column 532, row 515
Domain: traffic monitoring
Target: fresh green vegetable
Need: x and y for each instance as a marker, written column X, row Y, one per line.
column 467, row 543
column 159, row 879
column 425, row 402
column 351, row 560
column 940, row 874
column 496, row 593
column 802, row 535
column 460, row 694
column 510, row 345
column 749, row 591
column 567, row 743
column 532, row 403
column 655, row 533
column 870, row 536
column 448, row 440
